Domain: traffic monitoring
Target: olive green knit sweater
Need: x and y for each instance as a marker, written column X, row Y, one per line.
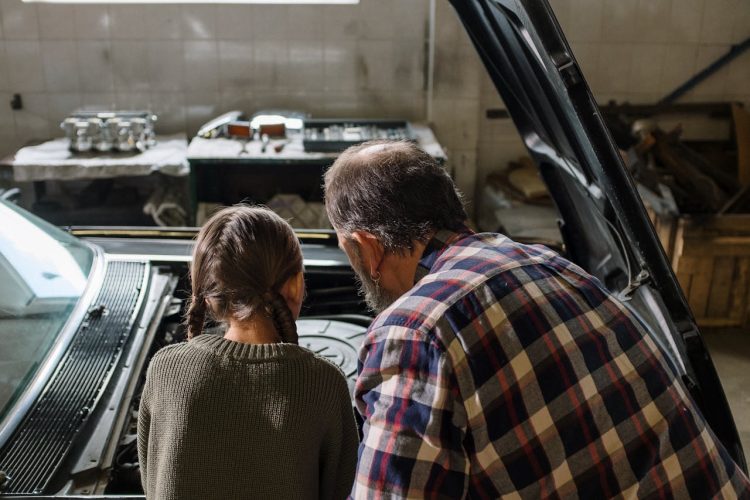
column 221, row 419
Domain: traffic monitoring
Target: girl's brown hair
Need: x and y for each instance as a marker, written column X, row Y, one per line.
column 242, row 257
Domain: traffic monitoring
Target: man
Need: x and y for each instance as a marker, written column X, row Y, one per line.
column 496, row 368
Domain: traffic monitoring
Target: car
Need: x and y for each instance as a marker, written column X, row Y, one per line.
column 82, row 311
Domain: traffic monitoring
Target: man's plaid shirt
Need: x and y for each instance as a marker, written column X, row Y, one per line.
column 509, row 371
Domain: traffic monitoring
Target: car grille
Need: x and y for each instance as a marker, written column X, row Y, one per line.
column 41, row 442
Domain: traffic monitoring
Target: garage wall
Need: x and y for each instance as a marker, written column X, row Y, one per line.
column 190, row 63
column 637, row 51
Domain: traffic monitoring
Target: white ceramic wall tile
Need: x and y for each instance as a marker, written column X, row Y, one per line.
column 587, row 55
column 270, row 22
column 99, row 101
column 235, row 65
column 170, row 109
column 134, row 100
column 24, row 61
column 6, row 114
column 684, row 21
column 341, row 65
column 306, row 22
column 270, row 65
column 408, row 66
column 738, row 80
column 4, row 80
column 341, row 22
column 586, row 18
column 410, row 22
column 741, row 28
column 457, row 72
column 199, row 22
column 375, row 65
column 614, row 67
column 377, row 19
column 678, row 66
column 619, row 20
column 32, row 122
column 56, row 22
column 201, row 65
column 652, row 20
column 243, row 100
column 448, row 28
column 466, row 123
column 92, row 22
column 645, row 67
column 127, row 22
column 95, row 66
column 19, row 20
column 234, row 22
column 306, row 67
column 163, row 22
column 718, row 20
column 60, row 106
column 200, row 107
column 716, row 83
column 166, row 65
column 130, row 66
column 58, row 57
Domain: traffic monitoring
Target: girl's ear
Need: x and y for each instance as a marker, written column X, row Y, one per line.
column 293, row 292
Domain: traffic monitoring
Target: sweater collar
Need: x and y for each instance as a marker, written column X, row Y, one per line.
column 251, row 352
column 440, row 241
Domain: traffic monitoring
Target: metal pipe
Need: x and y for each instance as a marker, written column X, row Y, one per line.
column 709, row 70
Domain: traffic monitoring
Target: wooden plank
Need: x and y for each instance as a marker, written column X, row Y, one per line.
column 741, row 120
column 700, row 287
column 717, row 322
column 726, row 224
column 721, row 287
column 701, row 250
column 685, row 274
column 738, row 301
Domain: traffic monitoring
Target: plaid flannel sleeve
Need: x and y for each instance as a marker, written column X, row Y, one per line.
column 413, row 431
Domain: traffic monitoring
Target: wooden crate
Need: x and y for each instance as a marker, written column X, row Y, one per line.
column 711, row 258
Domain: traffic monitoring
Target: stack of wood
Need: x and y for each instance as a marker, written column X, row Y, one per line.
column 701, row 177
column 698, row 196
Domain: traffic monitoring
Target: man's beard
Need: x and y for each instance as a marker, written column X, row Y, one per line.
column 376, row 298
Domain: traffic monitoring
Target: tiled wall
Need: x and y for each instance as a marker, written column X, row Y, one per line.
column 190, row 63
column 637, row 51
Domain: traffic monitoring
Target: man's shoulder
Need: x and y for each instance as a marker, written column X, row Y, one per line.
column 463, row 270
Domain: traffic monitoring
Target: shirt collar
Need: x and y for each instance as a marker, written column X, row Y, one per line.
column 441, row 240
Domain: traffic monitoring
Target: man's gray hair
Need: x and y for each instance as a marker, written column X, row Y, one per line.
column 393, row 190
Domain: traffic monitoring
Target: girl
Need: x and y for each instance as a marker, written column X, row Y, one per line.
column 250, row 414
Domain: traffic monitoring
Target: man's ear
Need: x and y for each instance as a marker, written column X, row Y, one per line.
column 370, row 249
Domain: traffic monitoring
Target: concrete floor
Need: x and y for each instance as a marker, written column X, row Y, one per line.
column 730, row 351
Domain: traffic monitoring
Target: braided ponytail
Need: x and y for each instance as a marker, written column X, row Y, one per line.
column 282, row 317
column 196, row 316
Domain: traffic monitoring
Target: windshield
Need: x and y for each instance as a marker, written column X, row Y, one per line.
column 43, row 273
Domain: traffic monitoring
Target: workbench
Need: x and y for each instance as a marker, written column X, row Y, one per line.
column 227, row 171
column 34, row 165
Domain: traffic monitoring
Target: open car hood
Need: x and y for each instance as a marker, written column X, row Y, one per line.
column 604, row 225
